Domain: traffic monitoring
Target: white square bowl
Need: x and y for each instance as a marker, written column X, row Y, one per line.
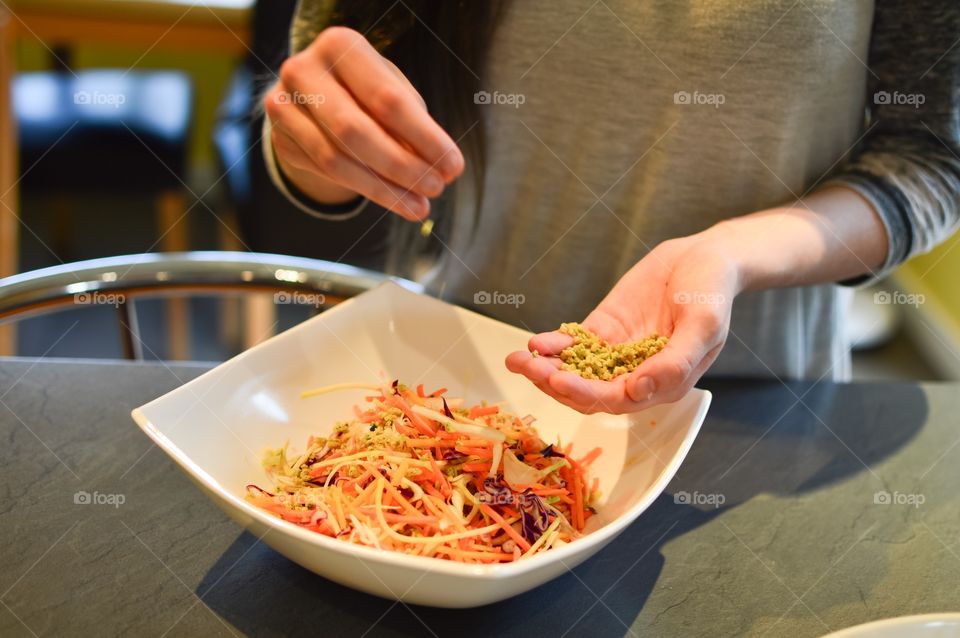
column 217, row 426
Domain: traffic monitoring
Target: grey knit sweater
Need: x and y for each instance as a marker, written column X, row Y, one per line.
column 614, row 125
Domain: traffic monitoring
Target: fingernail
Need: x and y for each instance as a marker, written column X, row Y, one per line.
column 421, row 206
column 416, row 207
column 642, row 389
column 452, row 163
column 432, row 185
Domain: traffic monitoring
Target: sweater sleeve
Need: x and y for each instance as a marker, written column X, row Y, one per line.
column 908, row 165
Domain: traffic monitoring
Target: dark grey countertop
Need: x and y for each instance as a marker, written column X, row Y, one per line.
column 804, row 541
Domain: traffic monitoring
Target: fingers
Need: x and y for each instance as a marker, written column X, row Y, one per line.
column 591, row 395
column 406, row 82
column 359, row 67
column 584, row 395
column 550, row 344
column 667, row 376
column 537, row 369
column 360, row 138
column 299, row 140
column 540, row 371
column 670, row 373
column 362, row 125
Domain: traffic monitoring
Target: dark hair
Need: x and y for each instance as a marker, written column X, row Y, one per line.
column 441, row 46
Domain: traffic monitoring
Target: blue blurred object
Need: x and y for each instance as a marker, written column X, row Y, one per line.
column 103, row 130
column 233, row 135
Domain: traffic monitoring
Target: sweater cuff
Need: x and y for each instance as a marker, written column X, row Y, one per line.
column 330, row 212
column 892, row 208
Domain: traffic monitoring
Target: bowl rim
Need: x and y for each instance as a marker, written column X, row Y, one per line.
column 853, row 631
column 398, row 559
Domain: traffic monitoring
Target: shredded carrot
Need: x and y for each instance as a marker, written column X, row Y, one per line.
column 475, row 443
column 415, row 418
column 480, row 468
column 577, row 501
column 399, row 475
column 430, row 443
column 484, row 557
column 512, row 533
column 483, row 453
column 591, row 456
column 509, row 512
column 555, row 491
column 410, row 520
column 431, row 490
column 483, row 410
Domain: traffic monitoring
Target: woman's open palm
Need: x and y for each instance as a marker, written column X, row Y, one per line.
column 682, row 289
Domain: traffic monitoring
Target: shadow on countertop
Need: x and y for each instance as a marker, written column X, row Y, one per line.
column 758, row 438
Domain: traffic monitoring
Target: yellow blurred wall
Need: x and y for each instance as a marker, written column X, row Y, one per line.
column 939, row 273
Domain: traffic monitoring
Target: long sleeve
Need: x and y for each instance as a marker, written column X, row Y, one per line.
column 908, row 165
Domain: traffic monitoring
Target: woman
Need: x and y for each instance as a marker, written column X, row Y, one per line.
column 638, row 163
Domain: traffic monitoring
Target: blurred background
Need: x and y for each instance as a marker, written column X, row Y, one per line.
column 133, row 126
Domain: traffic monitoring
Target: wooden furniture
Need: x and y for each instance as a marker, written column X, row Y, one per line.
column 211, row 25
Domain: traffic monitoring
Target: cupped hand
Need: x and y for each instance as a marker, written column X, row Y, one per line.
column 683, row 289
column 345, row 121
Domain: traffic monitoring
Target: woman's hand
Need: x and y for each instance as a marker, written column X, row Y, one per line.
column 685, row 287
column 682, row 289
column 345, row 121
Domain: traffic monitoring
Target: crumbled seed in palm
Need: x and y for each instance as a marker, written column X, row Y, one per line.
column 593, row 358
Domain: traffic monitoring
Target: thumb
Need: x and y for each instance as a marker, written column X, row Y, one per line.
column 672, row 367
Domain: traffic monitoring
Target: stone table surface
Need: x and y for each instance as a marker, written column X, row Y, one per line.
column 802, row 508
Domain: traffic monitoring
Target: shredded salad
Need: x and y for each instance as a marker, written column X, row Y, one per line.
column 423, row 474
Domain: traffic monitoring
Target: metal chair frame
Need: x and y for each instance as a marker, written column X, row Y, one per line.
column 151, row 275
